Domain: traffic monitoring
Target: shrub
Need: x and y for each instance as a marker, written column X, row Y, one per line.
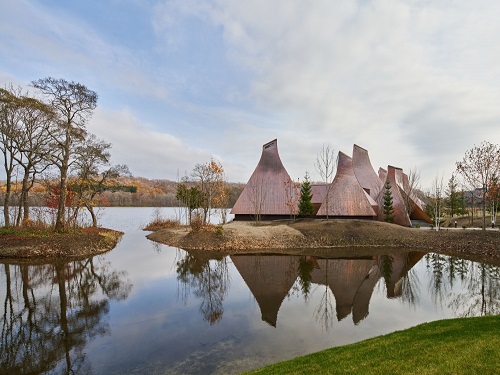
column 417, row 226
column 158, row 222
column 219, row 230
column 196, row 222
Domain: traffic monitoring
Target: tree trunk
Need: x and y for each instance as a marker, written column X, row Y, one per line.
column 60, row 219
column 92, row 214
column 61, row 212
column 24, row 196
column 6, row 202
column 484, row 213
column 23, row 201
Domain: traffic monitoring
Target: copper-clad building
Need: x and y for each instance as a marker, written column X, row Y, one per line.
column 355, row 192
column 364, row 172
column 347, row 198
column 401, row 216
column 382, row 174
column 269, row 192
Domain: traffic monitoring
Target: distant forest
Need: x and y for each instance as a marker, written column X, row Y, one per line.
column 126, row 192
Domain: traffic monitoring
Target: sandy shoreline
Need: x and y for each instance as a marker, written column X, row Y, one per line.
column 327, row 236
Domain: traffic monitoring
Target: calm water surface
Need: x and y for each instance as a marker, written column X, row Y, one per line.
column 149, row 308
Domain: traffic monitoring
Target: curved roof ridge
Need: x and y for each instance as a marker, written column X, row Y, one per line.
column 268, row 191
column 364, row 172
column 346, row 197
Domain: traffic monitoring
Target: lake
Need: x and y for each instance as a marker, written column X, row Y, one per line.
column 150, row 308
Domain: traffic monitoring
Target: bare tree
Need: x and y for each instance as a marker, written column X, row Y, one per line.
column 436, row 197
column 210, row 177
column 291, row 194
column 325, row 165
column 479, row 165
column 32, row 141
column 10, row 129
column 411, row 185
column 93, row 173
column 73, row 104
column 258, row 195
column 494, row 197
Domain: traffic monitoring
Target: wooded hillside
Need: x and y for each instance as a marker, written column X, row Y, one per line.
column 129, row 191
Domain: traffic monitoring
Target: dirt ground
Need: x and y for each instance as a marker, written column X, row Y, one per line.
column 66, row 245
column 332, row 236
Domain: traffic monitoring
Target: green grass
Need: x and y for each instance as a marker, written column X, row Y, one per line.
column 456, row 346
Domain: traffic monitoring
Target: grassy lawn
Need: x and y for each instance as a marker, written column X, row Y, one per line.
column 456, row 346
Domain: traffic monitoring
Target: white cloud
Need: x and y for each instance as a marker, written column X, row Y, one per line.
column 57, row 43
column 147, row 152
column 414, row 83
column 417, row 83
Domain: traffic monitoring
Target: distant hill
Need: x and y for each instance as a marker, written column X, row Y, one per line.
column 130, row 191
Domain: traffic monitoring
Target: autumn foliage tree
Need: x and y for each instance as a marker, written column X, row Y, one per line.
column 47, row 133
column 478, row 167
column 73, row 105
column 493, row 197
column 93, row 173
column 209, row 178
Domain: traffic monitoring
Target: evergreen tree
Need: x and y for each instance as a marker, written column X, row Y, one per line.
column 306, row 207
column 454, row 198
column 388, row 207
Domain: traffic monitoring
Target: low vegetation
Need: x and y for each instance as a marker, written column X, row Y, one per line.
column 158, row 222
column 456, row 346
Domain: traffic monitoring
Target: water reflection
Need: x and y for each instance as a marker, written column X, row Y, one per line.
column 271, row 278
column 347, row 282
column 481, row 295
column 61, row 318
column 52, row 310
column 346, row 285
column 208, row 279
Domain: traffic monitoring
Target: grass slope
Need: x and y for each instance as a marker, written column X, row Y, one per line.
column 456, row 346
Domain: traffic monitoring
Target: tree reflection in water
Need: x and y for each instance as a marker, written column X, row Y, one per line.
column 208, row 278
column 52, row 310
column 481, row 295
column 324, row 312
column 345, row 285
column 348, row 283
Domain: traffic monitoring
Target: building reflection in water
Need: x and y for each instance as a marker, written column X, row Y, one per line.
column 346, row 284
column 270, row 279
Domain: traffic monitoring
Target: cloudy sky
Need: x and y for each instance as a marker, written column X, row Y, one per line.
column 415, row 82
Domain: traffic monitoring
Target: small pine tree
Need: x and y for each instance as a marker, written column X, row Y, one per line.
column 388, row 208
column 306, row 207
column 454, row 201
